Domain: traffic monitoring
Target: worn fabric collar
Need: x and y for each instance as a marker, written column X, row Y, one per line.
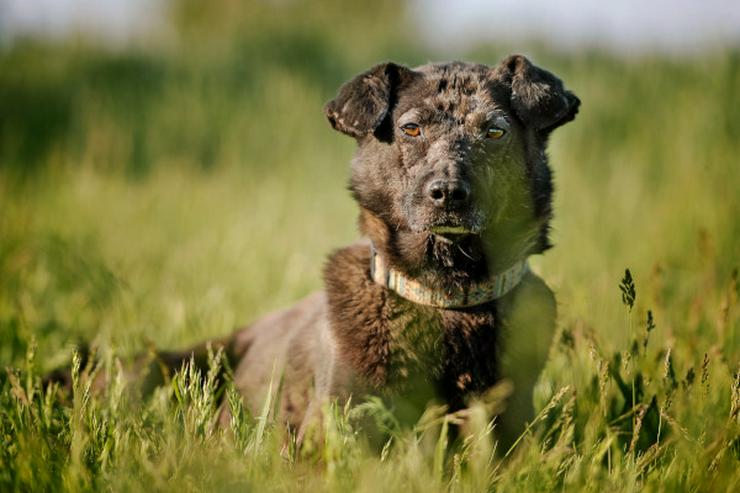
column 475, row 294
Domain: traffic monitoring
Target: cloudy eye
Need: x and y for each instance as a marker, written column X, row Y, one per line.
column 495, row 133
column 411, row 129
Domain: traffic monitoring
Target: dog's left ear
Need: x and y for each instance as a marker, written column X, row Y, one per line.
column 363, row 103
column 537, row 97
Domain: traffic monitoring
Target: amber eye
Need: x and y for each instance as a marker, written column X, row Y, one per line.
column 411, row 129
column 495, row 133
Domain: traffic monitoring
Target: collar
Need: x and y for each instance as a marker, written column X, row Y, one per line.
column 474, row 294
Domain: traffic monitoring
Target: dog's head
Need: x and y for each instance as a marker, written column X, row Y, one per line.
column 451, row 173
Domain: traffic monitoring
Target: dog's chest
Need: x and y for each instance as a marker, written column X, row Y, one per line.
column 394, row 345
column 416, row 346
column 444, row 347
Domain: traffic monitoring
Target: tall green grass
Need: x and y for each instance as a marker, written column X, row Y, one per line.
column 164, row 196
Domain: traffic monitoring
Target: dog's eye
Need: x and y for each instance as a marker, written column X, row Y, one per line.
column 411, row 129
column 495, row 133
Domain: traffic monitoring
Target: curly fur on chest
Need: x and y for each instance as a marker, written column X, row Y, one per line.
column 385, row 338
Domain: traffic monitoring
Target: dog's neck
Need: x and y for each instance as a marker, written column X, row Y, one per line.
column 462, row 296
column 437, row 263
column 386, row 338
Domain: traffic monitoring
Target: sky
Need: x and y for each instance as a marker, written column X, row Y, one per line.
column 626, row 26
column 112, row 21
column 621, row 25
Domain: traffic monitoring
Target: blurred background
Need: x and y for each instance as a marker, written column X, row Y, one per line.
column 166, row 172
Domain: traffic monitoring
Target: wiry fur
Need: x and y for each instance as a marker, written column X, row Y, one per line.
column 357, row 336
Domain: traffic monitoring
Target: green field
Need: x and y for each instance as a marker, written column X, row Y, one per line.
column 169, row 194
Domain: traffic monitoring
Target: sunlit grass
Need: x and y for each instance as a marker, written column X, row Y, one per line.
column 179, row 217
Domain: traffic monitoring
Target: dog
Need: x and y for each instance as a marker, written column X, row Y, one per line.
column 437, row 303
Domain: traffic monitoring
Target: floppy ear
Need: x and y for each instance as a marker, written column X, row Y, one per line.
column 362, row 103
column 537, row 97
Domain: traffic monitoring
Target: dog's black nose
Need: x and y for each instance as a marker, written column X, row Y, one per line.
column 448, row 193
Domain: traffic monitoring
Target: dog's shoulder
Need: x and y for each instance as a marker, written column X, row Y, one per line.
column 527, row 321
column 357, row 310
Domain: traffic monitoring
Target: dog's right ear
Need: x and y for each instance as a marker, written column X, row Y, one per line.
column 363, row 103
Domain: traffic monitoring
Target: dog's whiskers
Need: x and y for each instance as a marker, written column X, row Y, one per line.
column 462, row 250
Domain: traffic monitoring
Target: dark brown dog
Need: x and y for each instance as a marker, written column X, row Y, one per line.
column 454, row 191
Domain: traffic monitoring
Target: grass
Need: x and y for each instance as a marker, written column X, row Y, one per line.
column 163, row 197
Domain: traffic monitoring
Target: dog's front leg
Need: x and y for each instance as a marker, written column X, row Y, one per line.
column 528, row 323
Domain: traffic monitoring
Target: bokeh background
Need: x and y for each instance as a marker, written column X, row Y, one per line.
column 166, row 174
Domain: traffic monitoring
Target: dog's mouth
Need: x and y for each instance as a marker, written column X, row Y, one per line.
column 453, row 232
column 448, row 224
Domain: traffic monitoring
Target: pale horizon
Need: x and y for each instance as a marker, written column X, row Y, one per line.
column 629, row 26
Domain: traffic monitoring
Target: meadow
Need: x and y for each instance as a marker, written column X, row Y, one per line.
column 162, row 196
